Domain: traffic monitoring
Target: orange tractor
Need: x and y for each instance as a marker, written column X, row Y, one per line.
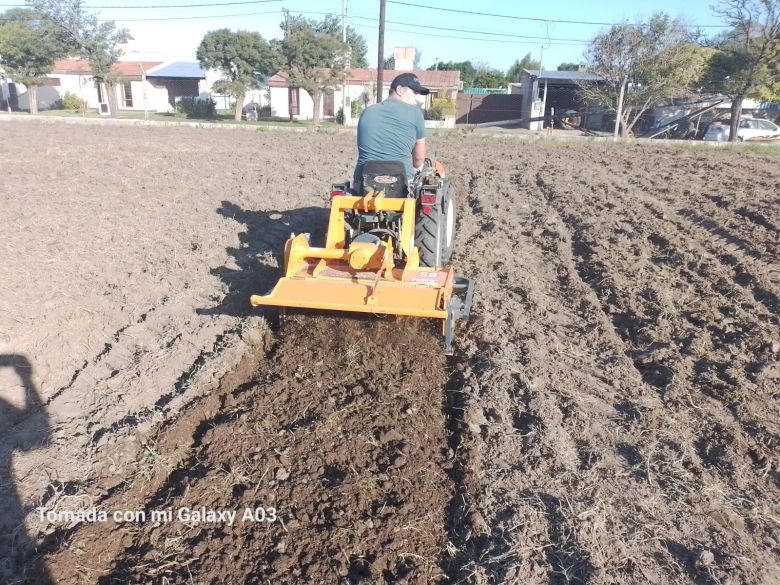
column 388, row 246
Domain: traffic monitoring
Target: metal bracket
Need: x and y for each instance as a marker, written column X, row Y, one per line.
column 459, row 308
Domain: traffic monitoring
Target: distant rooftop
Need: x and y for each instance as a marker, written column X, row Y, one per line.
column 178, row 70
column 124, row 68
column 564, row 75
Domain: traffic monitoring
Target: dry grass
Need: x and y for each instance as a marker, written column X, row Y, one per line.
column 153, row 463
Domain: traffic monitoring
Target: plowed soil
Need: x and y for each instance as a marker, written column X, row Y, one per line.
column 610, row 416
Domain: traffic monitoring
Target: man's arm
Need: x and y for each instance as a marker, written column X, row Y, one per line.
column 419, row 153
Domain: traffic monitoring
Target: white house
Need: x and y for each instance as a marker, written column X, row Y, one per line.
column 173, row 80
column 144, row 85
column 359, row 85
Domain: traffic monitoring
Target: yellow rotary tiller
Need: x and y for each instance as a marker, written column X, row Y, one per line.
column 372, row 265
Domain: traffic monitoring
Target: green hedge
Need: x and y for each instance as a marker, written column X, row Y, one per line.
column 193, row 107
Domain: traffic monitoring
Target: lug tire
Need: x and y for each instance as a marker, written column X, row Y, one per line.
column 435, row 232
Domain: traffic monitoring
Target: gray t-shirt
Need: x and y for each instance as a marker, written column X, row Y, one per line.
column 388, row 131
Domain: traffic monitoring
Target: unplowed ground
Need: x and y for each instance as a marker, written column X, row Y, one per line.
column 610, row 416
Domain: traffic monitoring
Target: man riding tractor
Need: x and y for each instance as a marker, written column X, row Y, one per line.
column 390, row 233
column 391, row 147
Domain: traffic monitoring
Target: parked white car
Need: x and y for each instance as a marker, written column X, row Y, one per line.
column 749, row 129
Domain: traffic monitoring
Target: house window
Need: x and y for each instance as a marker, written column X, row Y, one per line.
column 127, row 91
column 99, row 87
column 295, row 109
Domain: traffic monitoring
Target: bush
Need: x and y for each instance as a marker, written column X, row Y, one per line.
column 70, row 102
column 441, row 107
column 340, row 116
column 193, row 107
column 433, row 114
column 357, row 108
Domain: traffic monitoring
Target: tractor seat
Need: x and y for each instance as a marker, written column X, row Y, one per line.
column 385, row 175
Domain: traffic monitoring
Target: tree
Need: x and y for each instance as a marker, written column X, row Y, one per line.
column 389, row 63
column 568, row 67
column 29, row 46
column 357, row 43
column 241, row 57
column 516, row 70
column 467, row 70
column 649, row 63
column 485, row 76
column 98, row 42
column 746, row 62
column 771, row 91
column 311, row 60
column 473, row 74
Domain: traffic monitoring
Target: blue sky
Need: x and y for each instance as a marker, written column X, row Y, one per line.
column 493, row 40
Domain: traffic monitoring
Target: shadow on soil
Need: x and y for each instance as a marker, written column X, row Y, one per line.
column 24, row 426
column 259, row 257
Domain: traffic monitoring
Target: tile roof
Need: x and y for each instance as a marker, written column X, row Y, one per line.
column 125, row 68
column 430, row 79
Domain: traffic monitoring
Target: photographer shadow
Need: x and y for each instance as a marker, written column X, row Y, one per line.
column 259, row 258
column 24, row 426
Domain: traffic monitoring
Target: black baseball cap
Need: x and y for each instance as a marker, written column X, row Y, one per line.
column 411, row 81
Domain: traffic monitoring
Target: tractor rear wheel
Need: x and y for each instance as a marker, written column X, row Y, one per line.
column 435, row 231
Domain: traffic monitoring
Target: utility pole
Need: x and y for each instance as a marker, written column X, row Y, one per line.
column 348, row 57
column 381, row 52
column 344, row 21
column 620, row 107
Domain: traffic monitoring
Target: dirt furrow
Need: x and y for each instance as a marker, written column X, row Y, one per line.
column 661, row 322
column 345, row 439
column 609, row 416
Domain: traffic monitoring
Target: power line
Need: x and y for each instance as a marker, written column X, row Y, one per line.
column 484, row 40
column 529, row 18
column 194, row 17
column 209, row 5
column 167, row 18
column 489, row 33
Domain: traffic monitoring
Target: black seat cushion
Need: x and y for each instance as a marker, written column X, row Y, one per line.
column 385, row 175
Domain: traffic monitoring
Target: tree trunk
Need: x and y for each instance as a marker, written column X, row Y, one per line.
column 32, row 94
column 113, row 102
column 239, row 106
column 316, row 97
column 624, row 129
column 736, row 113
